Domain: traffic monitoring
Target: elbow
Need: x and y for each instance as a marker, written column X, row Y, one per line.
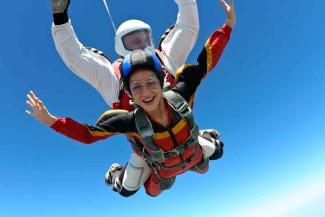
column 87, row 142
column 196, row 29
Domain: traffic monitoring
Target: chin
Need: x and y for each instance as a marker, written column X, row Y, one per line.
column 149, row 108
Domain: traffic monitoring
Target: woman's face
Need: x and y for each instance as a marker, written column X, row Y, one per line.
column 145, row 89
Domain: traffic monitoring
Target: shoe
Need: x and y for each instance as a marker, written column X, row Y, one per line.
column 213, row 136
column 210, row 134
column 112, row 173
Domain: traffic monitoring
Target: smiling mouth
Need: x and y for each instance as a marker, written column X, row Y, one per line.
column 148, row 101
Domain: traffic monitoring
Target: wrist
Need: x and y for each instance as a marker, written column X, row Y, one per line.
column 50, row 120
column 60, row 18
column 230, row 23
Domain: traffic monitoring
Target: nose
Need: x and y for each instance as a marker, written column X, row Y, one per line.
column 145, row 90
column 144, row 45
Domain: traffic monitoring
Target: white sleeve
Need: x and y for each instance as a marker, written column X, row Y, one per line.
column 181, row 40
column 86, row 64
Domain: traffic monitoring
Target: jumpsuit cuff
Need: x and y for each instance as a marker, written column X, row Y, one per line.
column 226, row 29
column 58, row 124
column 60, row 18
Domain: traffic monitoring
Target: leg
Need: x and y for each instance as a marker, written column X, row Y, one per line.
column 154, row 185
column 128, row 180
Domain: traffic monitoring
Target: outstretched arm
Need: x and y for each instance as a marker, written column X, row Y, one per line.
column 66, row 126
column 88, row 65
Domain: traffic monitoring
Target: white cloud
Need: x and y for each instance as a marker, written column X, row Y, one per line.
column 292, row 201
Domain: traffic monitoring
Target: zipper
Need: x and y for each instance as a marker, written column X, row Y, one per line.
column 172, row 135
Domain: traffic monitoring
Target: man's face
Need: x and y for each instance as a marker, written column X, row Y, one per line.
column 139, row 39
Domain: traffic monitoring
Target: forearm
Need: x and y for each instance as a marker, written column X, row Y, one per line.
column 189, row 77
column 188, row 15
column 77, row 131
column 214, row 48
column 181, row 39
column 209, row 55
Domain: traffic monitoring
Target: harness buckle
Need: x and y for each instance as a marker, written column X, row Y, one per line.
column 176, row 151
column 194, row 132
column 158, row 155
column 185, row 110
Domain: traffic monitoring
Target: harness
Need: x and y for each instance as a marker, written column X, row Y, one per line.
column 154, row 155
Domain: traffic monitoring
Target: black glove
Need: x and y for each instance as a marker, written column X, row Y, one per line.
column 60, row 6
column 60, row 11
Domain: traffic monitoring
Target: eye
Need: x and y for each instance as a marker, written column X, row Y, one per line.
column 152, row 84
column 137, row 87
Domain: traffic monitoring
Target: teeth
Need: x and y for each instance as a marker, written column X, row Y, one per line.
column 147, row 100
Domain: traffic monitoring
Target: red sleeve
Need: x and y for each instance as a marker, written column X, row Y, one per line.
column 216, row 44
column 189, row 76
column 77, row 131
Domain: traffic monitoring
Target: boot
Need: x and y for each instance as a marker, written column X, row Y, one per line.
column 112, row 173
column 214, row 137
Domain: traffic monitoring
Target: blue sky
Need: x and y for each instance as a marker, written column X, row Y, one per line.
column 266, row 96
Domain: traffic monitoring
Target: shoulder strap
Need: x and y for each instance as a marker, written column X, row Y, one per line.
column 116, row 65
column 162, row 38
column 180, row 105
column 167, row 74
column 144, row 128
column 96, row 51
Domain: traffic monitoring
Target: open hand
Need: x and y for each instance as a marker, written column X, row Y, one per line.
column 230, row 12
column 38, row 110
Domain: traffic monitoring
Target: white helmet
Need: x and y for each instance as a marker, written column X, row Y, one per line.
column 124, row 29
